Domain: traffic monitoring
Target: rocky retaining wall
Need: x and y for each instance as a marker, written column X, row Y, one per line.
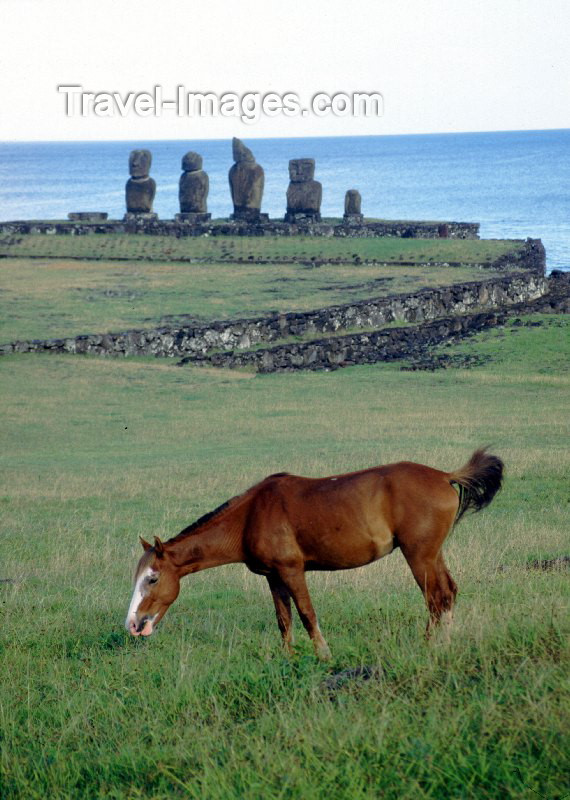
column 386, row 345
column 530, row 257
column 347, row 351
column 403, row 229
column 194, row 341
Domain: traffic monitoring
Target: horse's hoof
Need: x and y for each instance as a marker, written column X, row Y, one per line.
column 324, row 653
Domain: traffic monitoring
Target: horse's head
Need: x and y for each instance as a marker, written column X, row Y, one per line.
column 156, row 587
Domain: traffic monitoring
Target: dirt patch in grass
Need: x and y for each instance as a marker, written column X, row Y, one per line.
column 431, row 362
column 546, row 564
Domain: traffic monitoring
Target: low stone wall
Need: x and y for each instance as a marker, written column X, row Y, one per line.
column 403, row 229
column 195, row 341
column 347, row 351
column 530, row 257
column 386, row 345
column 556, row 300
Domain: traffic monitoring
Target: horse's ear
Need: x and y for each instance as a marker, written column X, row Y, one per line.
column 145, row 544
column 158, row 547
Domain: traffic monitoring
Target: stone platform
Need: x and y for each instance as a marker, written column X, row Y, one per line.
column 150, row 224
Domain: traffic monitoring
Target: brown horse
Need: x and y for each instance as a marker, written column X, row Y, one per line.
column 286, row 525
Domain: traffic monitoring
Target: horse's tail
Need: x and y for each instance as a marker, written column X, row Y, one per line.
column 479, row 481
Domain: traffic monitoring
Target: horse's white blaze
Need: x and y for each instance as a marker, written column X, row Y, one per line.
column 137, row 597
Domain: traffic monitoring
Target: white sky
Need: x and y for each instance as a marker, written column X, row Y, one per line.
column 441, row 65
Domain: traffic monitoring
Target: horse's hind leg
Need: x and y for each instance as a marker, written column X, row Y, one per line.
column 448, row 592
column 437, row 585
column 294, row 580
column 282, row 600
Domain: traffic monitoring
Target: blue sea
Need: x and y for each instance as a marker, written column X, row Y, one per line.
column 516, row 184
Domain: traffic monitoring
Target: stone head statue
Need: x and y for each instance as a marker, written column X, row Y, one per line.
column 304, row 194
column 301, row 170
column 193, row 186
column 352, row 202
column 140, row 188
column 139, row 163
column 240, row 152
column 247, row 180
column 191, row 162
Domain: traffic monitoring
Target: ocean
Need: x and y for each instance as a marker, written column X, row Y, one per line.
column 516, row 184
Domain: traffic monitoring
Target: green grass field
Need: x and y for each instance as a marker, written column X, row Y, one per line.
column 42, row 299
column 97, row 452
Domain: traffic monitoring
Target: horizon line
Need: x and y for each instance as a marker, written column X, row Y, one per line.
column 269, row 138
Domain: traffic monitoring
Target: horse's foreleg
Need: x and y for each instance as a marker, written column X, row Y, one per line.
column 282, row 600
column 294, row 580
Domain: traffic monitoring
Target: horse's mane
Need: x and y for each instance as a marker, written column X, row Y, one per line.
column 195, row 526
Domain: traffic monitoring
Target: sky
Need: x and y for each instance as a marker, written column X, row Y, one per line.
column 439, row 65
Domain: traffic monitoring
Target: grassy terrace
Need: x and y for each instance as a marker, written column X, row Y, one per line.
column 55, row 296
column 262, row 248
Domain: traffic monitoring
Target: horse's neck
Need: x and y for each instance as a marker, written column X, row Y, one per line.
column 220, row 541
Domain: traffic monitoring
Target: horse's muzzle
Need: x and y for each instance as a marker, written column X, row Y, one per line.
column 143, row 628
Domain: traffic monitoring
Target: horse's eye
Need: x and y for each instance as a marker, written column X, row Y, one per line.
column 153, row 580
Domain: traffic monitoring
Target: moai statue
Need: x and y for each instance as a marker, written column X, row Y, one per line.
column 140, row 188
column 193, row 190
column 352, row 208
column 304, row 194
column 247, row 179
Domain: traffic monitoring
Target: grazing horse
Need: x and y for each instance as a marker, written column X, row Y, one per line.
column 286, row 525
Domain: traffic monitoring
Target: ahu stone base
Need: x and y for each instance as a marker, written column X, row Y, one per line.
column 192, row 217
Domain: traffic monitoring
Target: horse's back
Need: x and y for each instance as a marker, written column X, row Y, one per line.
column 347, row 520
column 390, row 490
